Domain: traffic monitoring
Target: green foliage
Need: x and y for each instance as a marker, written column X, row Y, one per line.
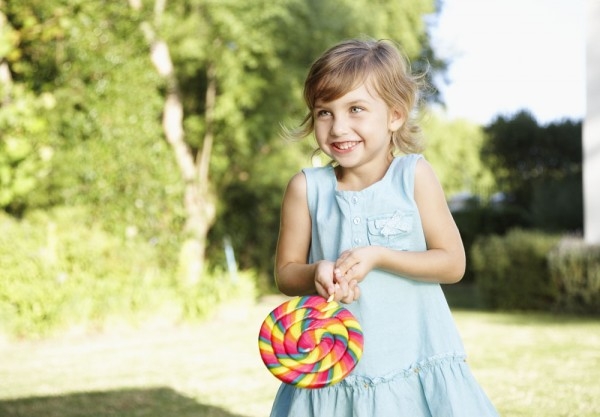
column 453, row 148
column 90, row 59
column 62, row 269
column 25, row 152
column 478, row 220
column 248, row 212
column 575, row 270
column 65, row 270
column 25, row 149
column 512, row 271
column 557, row 205
column 526, row 151
column 532, row 162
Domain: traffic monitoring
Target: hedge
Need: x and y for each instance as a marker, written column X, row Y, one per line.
column 512, row 272
column 533, row 270
column 62, row 270
column 575, row 271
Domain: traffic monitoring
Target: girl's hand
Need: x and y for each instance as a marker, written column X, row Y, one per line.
column 351, row 268
column 352, row 294
column 355, row 264
column 328, row 284
column 324, row 282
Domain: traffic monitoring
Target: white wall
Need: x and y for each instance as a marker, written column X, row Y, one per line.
column 591, row 127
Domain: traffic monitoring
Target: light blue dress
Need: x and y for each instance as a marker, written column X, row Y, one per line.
column 413, row 361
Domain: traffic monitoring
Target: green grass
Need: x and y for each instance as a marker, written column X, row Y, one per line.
column 535, row 365
column 530, row 365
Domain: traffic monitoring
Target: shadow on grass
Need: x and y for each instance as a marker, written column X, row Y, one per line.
column 154, row 402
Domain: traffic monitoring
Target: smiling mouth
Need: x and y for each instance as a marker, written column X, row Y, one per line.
column 344, row 146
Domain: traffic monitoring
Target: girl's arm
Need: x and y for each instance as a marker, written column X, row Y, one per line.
column 293, row 274
column 443, row 261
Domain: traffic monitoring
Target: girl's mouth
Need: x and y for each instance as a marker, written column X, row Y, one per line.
column 344, row 146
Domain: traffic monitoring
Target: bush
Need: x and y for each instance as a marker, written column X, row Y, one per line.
column 62, row 269
column 512, row 272
column 575, row 271
column 477, row 220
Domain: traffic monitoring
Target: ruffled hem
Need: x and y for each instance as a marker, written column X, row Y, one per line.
column 438, row 387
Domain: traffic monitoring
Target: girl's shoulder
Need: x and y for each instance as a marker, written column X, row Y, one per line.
column 297, row 184
column 317, row 174
column 307, row 177
column 409, row 161
column 319, row 169
column 404, row 168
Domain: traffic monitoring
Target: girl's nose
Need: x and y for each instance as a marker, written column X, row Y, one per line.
column 339, row 126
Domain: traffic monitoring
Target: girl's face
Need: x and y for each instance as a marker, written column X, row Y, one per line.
column 355, row 129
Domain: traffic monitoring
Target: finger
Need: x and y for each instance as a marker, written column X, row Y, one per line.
column 342, row 287
column 346, row 299
column 350, row 273
column 335, row 293
column 353, row 288
column 337, row 273
column 342, row 258
column 346, row 265
column 341, row 271
column 350, row 297
column 356, row 293
column 324, row 289
column 332, row 293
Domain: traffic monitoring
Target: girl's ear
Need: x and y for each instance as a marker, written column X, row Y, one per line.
column 396, row 120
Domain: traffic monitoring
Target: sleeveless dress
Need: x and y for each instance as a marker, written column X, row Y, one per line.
column 413, row 361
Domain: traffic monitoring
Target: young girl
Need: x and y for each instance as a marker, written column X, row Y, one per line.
column 374, row 231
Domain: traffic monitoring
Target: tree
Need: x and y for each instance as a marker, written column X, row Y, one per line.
column 87, row 63
column 531, row 162
column 214, row 83
column 453, row 148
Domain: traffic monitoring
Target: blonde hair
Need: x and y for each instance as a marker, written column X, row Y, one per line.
column 347, row 65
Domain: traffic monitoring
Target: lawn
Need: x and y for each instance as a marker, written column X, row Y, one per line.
column 531, row 365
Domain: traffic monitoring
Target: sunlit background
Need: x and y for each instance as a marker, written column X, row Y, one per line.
column 508, row 55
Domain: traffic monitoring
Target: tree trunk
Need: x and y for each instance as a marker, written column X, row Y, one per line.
column 591, row 128
column 199, row 201
column 5, row 76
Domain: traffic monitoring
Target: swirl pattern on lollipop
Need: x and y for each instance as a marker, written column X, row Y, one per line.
column 310, row 343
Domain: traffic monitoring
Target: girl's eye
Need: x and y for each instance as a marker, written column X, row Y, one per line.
column 356, row 109
column 322, row 113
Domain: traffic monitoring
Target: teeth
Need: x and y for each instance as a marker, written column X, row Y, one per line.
column 345, row 145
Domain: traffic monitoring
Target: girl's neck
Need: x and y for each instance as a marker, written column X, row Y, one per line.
column 359, row 178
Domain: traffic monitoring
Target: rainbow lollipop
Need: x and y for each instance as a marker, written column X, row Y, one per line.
column 310, row 343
